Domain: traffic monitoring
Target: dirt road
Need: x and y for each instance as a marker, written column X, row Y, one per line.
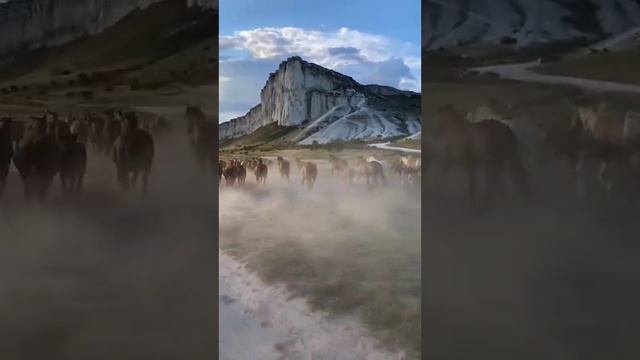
column 523, row 72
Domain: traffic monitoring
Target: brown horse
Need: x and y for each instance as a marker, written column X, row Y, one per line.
column 96, row 130
column 80, row 128
column 234, row 173
column 488, row 145
column 605, row 137
column 261, row 171
column 202, row 133
column 372, row 171
column 37, row 158
column 73, row 159
column 337, row 165
column 308, row 172
column 6, row 150
column 111, row 130
column 284, row 167
column 133, row 153
column 340, row 167
column 221, row 166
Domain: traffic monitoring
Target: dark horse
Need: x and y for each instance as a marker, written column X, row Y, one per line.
column 6, row 150
column 133, row 153
column 284, row 166
column 487, row 146
column 203, row 136
column 73, row 159
column 37, row 159
column 261, row 172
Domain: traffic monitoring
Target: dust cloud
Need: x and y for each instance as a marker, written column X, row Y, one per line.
column 343, row 249
column 109, row 275
column 554, row 279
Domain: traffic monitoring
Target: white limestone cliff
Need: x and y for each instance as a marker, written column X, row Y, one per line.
column 40, row 23
column 318, row 100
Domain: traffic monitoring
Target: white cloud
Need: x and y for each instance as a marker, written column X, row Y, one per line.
column 333, row 49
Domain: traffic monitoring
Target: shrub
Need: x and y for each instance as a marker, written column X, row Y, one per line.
column 508, row 40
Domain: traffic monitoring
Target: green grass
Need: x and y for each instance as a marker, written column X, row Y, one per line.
column 270, row 135
column 409, row 143
column 144, row 46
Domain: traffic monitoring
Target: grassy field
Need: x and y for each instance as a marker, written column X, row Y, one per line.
column 611, row 66
column 140, row 60
column 346, row 251
column 408, row 143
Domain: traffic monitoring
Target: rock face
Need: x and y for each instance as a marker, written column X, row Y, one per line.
column 464, row 23
column 38, row 23
column 328, row 106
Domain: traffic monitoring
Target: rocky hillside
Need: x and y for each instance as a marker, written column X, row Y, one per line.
column 328, row 106
column 464, row 23
column 43, row 23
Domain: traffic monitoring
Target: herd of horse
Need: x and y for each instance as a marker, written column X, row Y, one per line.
column 46, row 146
column 368, row 171
column 596, row 132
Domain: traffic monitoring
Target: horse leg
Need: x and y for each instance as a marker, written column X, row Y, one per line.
column 123, row 178
column 80, row 183
column 3, row 183
column 519, row 175
column 578, row 168
column 472, row 180
column 145, row 181
column 63, row 184
column 134, row 179
column 494, row 182
column 28, row 186
column 603, row 171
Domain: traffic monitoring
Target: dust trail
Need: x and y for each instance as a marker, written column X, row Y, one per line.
column 343, row 250
column 112, row 276
column 553, row 280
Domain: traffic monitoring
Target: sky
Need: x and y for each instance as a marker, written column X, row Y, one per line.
column 373, row 41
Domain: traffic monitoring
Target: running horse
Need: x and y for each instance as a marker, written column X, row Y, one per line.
column 6, row 150
column 284, row 167
column 487, row 146
column 372, row 171
column 261, row 171
column 308, row 172
column 133, row 153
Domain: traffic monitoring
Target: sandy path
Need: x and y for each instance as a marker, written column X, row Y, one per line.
column 258, row 321
column 524, row 72
column 386, row 146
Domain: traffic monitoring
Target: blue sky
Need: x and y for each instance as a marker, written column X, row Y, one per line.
column 374, row 41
